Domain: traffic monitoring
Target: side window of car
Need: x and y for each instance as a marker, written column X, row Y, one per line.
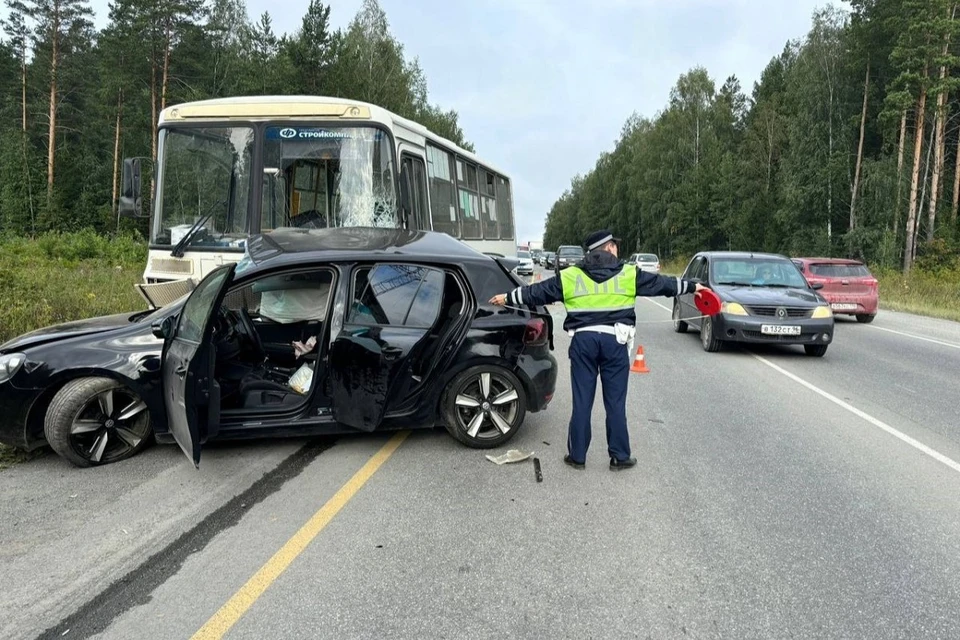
column 696, row 270
column 197, row 309
column 405, row 295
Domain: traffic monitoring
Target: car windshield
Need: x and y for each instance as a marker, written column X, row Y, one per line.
column 647, row 257
column 204, row 178
column 840, row 270
column 523, row 254
column 571, row 251
column 762, row 272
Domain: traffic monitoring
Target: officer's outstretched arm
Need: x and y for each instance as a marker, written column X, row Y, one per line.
column 652, row 284
column 538, row 293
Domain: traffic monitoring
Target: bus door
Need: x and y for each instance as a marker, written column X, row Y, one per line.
column 412, row 163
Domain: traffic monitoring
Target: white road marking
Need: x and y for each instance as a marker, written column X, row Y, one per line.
column 936, row 455
column 659, row 305
column 916, row 337
column 880, row 424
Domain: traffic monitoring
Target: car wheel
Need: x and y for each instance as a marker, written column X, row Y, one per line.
column 817, row 350
column 96, row 421
column 865, row 318
column 678, row 325
column 484, row 406
column 709, row 341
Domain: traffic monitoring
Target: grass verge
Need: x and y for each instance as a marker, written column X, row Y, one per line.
column 926, row 293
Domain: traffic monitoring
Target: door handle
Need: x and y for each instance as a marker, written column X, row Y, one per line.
column 391, row 353
column 180, row 371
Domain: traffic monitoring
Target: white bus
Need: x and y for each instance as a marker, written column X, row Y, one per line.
column 322, row 162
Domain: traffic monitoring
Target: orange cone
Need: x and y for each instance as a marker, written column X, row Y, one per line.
column 639, row 364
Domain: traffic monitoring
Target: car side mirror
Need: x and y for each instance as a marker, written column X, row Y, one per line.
column 816, row 286
column 164, row 329
column 131, row 189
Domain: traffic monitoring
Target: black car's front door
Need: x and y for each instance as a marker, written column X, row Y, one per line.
column 190, row 391
column 388, row 320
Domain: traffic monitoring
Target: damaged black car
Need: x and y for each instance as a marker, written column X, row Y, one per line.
column 312, row 332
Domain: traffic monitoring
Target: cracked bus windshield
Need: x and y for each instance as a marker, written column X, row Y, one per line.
column 317, row 177
column 312, row 177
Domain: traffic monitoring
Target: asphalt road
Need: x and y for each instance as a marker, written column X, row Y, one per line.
column 777, row 496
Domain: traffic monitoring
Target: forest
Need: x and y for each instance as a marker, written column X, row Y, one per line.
column 75, row 101
column 847, row 146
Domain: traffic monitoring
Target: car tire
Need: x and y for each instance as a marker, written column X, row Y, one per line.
column 816, row 350
column 707, row 338
column 678, row 325
column 464, row 400
column 865, row 318
column 97, row 421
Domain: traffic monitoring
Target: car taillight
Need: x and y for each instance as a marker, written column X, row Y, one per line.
column 535, row 333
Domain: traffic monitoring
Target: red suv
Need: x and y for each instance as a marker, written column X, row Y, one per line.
column 848, row 285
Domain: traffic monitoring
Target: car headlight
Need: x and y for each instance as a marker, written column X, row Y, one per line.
column 9, row 364
column 733, row 308
column 822, row 312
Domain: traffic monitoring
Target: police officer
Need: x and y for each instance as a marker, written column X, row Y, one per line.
column 600, row 296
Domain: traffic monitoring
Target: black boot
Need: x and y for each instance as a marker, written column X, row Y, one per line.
column 619, row 465
column 570, row 461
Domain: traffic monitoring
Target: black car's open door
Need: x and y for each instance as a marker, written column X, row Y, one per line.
column 190, row 391
column 393, row 308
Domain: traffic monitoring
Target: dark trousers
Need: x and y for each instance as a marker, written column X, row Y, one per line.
column 592, row 353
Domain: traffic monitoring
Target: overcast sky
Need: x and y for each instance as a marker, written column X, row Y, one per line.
column 542, row 86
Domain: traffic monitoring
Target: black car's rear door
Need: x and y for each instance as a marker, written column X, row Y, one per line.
column 190, row 391
column 386, row 324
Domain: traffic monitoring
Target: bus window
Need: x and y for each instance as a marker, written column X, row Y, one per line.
column 488, row 205
column 443, row 206
column 469, row 200
column 505, row 207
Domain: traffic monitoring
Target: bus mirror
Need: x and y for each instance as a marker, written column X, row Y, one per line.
column 131, row 201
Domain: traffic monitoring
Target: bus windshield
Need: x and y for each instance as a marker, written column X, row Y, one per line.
column 204, row 172
column 318, row 177
column 312, row 177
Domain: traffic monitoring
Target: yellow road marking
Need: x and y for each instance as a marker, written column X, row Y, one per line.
column 231, row 612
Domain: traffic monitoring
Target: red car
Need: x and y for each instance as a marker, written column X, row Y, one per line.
column 848, row 285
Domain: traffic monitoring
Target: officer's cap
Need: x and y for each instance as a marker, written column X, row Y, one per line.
column 599, row 238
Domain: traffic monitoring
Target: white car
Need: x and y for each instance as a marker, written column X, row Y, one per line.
column 647, row 262
column 525, row 267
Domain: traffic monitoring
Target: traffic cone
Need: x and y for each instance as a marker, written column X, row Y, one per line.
column 639, row 364
column 538, row 277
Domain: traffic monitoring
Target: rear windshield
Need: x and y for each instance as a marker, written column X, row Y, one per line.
column 570, row 251
column 523, row 254
column 647, row 257
column 840, row 270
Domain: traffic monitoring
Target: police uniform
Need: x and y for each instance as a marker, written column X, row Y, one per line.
column 600, row 297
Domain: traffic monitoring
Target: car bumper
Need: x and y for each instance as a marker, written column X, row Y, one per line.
column 750, row 329
column 539, row 375
column 15, row 405
column 853, row 305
